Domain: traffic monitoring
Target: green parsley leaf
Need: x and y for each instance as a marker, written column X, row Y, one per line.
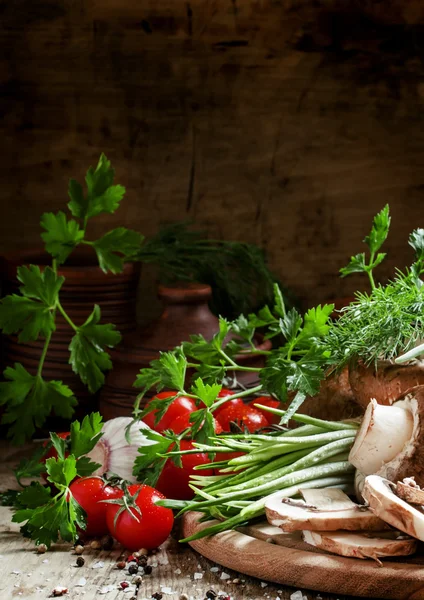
column 31, row 313
column 207, row 393
column 40, row 285
column 357, row 264
column 116, row 245
column 379, row 230
column 148, row 466
column 416, row 240
column 243, row 328
column 85, row 435
column 59, row 444
column 102, row 196
column 34, row 495
column 279, row 306
column 169, row 370
column 61, row 236
column 316, row 323
column 291, row 324
column 61, row 471
column 159, row 406
column 31, row 467
column 88, row 356
column 30, row 400
column 202, row 426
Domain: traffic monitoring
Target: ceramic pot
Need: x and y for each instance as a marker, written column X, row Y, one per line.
column 186, row 312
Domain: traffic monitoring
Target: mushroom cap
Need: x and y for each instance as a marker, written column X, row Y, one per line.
column 384, row 503
column 361, row 545
column 410, row 461
column 298, row 517
column 384, row 382
column 409, row 491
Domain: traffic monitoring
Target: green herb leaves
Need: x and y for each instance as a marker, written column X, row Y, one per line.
column 374, row 241
column 31, row 313
column 61, row 236
column 30, row 400
column 47, row 517
column 115, row 245
column 102, row 196
column 88, row 355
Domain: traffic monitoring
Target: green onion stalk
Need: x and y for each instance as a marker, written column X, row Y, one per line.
column 315, row 455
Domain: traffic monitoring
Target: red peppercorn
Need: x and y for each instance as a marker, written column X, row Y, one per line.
column 124, row 585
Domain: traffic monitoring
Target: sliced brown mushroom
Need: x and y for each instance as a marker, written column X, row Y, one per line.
column 390, row 441
column 409, row 491
column 383, row 501
column 361, row 545
column 327, row 509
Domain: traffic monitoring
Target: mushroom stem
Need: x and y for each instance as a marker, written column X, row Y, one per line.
column 383, row 433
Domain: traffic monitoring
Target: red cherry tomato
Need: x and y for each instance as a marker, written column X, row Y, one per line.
column 88, row 491
column 173, row 481
column 183, row 422
column 224, row 393
column 51, row 453
column 180, row 406
column 149, row 529
column 267, row 401
column 245, row 416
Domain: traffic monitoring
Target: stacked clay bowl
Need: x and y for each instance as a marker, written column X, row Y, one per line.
column 85, row 285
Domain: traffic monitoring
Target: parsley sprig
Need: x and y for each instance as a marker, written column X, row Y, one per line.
column 29, row 398
column 48, row 515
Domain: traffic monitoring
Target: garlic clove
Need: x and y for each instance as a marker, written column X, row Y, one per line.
column 114, row 453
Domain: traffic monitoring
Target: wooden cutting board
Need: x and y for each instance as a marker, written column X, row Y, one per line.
column 266, row 552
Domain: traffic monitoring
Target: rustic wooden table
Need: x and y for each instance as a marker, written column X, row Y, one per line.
column 178, row 572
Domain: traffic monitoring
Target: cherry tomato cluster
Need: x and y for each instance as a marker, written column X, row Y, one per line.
column 174, row 481
column 142, row 524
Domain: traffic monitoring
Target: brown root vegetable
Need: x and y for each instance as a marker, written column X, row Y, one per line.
column 409, row 491
column 360, row 545
column 383, row 434
column 385, row 381
column 378, row 493
column 327, row 509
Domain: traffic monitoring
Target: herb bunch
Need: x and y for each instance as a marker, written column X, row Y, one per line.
column 388, row 321
column 48, row 515
column 237, row 272
column 28, row 398
column 292, row 371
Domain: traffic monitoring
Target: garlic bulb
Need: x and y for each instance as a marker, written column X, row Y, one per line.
column 114, row 453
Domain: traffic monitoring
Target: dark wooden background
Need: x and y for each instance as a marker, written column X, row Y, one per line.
column 281, row 122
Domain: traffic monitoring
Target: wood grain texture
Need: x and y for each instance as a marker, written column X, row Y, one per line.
column 280, row 122
column 173, row 567
column 285, row 559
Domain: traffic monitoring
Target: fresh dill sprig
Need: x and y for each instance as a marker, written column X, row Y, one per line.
column 237, row 272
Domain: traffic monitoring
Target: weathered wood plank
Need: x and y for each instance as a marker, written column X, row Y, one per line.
column 288, row 124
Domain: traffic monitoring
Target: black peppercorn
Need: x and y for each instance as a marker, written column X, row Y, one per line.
column 80, row 561
column 211, row 594
column 107, row 542
column 148, row 569
column 133, row 569
column 157, row 596
column 142, row 560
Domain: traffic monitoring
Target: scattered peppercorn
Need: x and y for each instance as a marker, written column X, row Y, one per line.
column 107, row 542
column 59, row 591
column 79, row 549
column 121, row 564
column 236, row 581
column 183, row 597
column 133, row 598
column 133, row 569
column 124, row 585
column 211, row 594
column 95, row 545
column 157, row 596
column 148, row 569
column 137, row 580
column 222, row 597
column 143, row 551
column 80, row 561
column 79, row 542
column 142, row 560
column 41, row 548
column 132, row 558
